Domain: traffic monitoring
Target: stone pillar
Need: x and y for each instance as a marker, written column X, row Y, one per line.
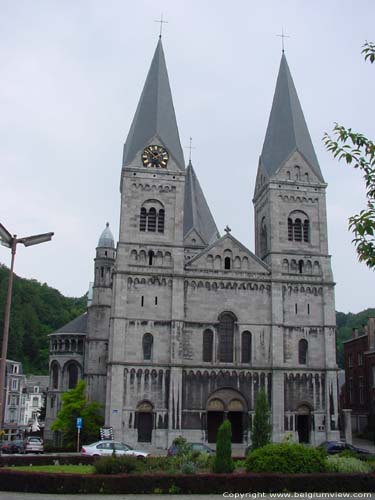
column 348, row 425
column 277, row 405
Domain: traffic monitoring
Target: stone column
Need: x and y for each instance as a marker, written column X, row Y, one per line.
column 348, row 425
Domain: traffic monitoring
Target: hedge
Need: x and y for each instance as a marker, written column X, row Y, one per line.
column 24, row 460
column 200, row 483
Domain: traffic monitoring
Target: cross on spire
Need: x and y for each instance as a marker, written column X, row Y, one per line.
column 161, row 24
column 227, row 229
column 282, row 36
column 190, row 147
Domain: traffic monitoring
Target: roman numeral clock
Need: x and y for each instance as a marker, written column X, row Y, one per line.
column 155, row 156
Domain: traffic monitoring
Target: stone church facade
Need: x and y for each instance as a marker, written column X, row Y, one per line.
column 186, row 326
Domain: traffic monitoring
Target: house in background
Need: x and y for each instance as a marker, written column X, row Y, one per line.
column 359, row 394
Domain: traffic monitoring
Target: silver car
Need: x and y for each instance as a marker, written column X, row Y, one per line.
column 107, row 448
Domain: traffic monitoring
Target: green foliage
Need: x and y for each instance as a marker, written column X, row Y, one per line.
column 286, row 458
column 223, row 462
column 115, row 465
column 262, row 428
column 75, row 404
column 345, row 325
column 339, row 463
column 188, row 468
column 359, row 152
column 56, row 469
column 37, row 310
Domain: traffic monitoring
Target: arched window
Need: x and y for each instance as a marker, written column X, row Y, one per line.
column 300, row 266
column 151, row 255
column 227, row 263
column 306, row 230
column 226, row 334
column 297, row 230
column 263, row 237
column 147, row 343
column 302, row 351
column 151, row 220
column 55, row 376
column 143, row 219
column 290, row 229
column 72, row 375
column 208, row 338
column 246, row 347
column 161, row 220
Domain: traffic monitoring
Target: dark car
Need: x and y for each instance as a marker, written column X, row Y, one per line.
column 201, row 447
column 334, row 447
column 16, row 446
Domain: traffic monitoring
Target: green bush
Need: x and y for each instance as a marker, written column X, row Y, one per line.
column 223, row 462
column 115, row 465
column 286, row 458
column 339, row 463
column 262, row 429
column 188, row 468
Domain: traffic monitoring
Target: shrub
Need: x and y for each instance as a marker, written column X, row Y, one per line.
column 115, row 465
column 203, row 461
column 262, row 428
column 223, row 459
column 286, row 458
column 188, row 468
column 339, row 463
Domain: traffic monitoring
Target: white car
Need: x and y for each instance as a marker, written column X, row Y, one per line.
column 106, row 448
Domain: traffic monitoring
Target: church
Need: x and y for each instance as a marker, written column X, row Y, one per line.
column 185, row 326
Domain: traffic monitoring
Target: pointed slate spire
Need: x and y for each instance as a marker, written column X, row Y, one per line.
column 155, row 115
column 197, row 214
column 287, row 130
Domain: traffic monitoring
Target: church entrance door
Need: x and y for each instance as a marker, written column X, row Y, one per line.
column 235, row 418
column 214, row 421
column 144, row 422
column 303, row 424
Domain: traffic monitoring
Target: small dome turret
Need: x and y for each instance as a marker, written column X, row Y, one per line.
column 106, row 239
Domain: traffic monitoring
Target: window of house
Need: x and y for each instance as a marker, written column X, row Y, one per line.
column 147, row 343
column 361, row 391
column 35, row 401
column 350, row 360
column 14, row 384
column 226, row 337
column 36, row 388
column 246, row 347
column 350, row 390
column 302, row 351
column 360, row 359
column 208, row 337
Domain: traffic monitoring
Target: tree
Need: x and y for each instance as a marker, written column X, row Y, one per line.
column 223, row 459
column 75, row 404
column 262, row 428
column 356, row 150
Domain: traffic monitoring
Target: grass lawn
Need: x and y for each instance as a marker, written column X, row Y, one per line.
column 71, row 469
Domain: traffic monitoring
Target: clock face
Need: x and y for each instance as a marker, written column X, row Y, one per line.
column 155, row 156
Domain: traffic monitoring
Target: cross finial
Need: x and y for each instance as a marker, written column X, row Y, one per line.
column 227, row 229
column 190, row 147
column 283, row 35
column 161, row 24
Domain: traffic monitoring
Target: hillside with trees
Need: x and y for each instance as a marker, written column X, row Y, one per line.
column 37, row 310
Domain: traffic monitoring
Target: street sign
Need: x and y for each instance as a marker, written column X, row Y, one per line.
column 79, row 423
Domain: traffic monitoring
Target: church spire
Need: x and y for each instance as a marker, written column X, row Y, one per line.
column 287, row 130
column 155, row 115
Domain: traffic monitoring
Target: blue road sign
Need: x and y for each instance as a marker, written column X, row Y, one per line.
column 79, row 423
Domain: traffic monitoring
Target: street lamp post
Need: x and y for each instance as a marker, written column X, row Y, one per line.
column 7, row 240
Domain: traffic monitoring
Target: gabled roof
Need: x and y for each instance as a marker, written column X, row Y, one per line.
column 287, row 130
column 77, row 325
column 197, row 214
column 155, row 115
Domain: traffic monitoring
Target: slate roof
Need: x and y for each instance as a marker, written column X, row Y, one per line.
column 197, row 214
column 106, row 239
column 155, row 114
column 287, row 130
column 77, row 325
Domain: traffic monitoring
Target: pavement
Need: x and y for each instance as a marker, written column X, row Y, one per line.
column 364, row 443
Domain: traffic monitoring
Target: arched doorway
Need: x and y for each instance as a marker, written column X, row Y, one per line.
column 230, row 404
column 144, row 422
column 303, row 423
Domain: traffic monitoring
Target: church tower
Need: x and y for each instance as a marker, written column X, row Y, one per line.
column 96, row 347
column 148, row 307
column 291, row 237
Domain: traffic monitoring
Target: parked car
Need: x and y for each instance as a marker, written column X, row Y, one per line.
column 16, row 446
column 334, row 447
column 34, row 444
column 201, row 447
column 105, row 448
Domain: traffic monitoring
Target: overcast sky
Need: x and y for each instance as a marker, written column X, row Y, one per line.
column 71, row 75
